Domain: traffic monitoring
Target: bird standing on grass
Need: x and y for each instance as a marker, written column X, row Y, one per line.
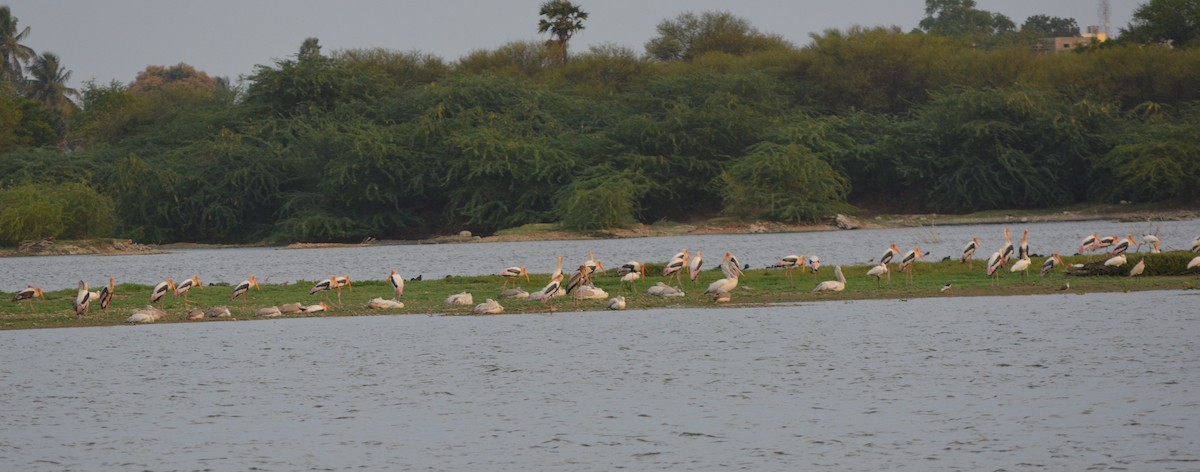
column 161, row 290
column 28, row 295
column 242, row 288
column 968, row 252
column 183, row 287
column 510, row 274
column 1051, row 262
column 398, row 282
column 878, row 272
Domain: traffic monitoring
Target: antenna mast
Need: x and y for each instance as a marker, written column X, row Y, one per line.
column 1105, row 14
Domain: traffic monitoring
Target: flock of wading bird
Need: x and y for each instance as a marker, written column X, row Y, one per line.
column 580, row 286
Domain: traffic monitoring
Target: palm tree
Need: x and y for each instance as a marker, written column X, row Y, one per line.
column 562, row 19
column 48, row 84
column 13, row 54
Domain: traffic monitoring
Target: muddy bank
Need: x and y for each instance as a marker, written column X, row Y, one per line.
column 50, row 247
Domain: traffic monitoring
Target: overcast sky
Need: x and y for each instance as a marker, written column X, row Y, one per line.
column 114, row 40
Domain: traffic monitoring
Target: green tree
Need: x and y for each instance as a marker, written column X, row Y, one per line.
column 13, row 54
column 1050, row 26
column 562, row 19
column 48, row 84
column 689, row 36
column 1176, row 22
column 960, row 18
column 783, row 183
column 1014, row 147
column 67, row 210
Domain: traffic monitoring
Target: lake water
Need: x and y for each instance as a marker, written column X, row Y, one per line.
column 1065, row 382
column 272, row 265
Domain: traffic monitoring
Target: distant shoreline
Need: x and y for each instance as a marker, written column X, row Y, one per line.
column 549, row 232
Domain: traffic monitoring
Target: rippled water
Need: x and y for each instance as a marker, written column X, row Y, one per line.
column 1064, row 382
column 436, row 261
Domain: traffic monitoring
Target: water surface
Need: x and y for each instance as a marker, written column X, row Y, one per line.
column 1064, row 382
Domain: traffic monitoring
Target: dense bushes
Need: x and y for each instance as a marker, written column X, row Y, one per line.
column 392, row 145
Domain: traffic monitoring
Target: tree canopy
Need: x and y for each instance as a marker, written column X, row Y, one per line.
column 715, row 118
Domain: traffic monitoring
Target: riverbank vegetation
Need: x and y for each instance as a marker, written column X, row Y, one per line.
column 714, row 118
column 1166, row 271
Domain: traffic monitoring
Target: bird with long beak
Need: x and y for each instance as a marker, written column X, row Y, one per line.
column 631, row 272
column 968, row 252
column 906, row 263
column 814, row 263
column 27, row 295
column 1022, row 266
column 887, row 256
column 1007, row 251
column 694, row 267
column 1107, row 241
column 878, row 272
column 548, row 293
column 161, row 290
column 790, row 262
column 1155, row 250
column 676, row 265
column 1088, row 244
column 315, row 308
column 242, row 288
column 1123, row 245
column 82, row 299
column 592, row 265
column 343, row 281
column 183, row 287
column 833, row 285
column 723, row 288
column 106, row 294
column 325, row 286
column 1051, row 262
column 1138, row 268
column 398, row 282
column 1115, row 261
column 1151, row 239
column 510, row 274
column 558, row 269
column 993, row 265
column 1023, row 248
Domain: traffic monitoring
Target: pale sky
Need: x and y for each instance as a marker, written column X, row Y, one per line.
column 114, row 40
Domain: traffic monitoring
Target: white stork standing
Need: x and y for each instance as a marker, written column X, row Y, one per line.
column 82, row 298
column 1138, row 268
column 183, row 287
column 161, row 289
column 398, row 282
column 325, row 286
column 993, row 266
column 631, row 272
column 550, row 291
column 1022, row 266
column 789, row 262
column 878, row 272
column 510, row 274
column 676, row 265
column 906, row 263
column 242, row 288
column 694, row 267
column 1051, row 262
column 969, row 251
